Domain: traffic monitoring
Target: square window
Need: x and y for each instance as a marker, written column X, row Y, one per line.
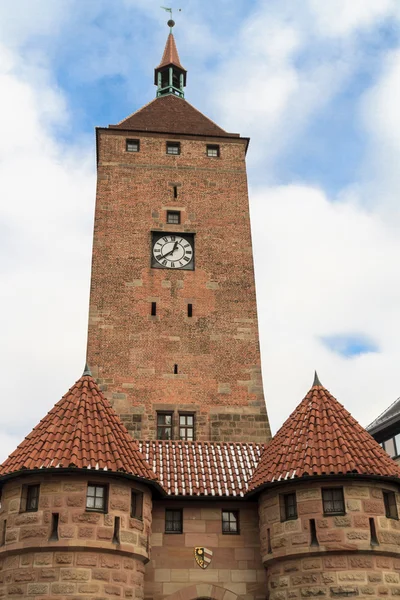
column 173, row 148
column 288, row 507
column 32, row 498
column 389, row 499
column 132, row 145
column 333, row 501
column 164, row 426
column 96, row 498
column 173, row 216
column 213, row 150
column 136, row 504
column 230, row 522
column 173, row 520
column 186, row 426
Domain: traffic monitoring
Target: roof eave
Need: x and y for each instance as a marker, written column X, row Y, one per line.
column 309, row 478
column 156, row 485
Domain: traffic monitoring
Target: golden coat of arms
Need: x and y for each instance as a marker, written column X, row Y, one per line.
column 203, row 557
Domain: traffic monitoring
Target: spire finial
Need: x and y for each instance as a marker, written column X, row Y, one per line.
column 316, row 380
column 86, row 371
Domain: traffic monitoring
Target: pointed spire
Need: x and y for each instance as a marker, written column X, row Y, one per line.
column 170, row 76
column 82, row 431
column 321, row 438
column 87, row 371
column 316, row 380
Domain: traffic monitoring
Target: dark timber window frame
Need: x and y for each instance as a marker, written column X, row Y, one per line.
column 288, row 504
column 163, row 426
column 186, row 426
column 173, row 520
column 136, row 504
column 230, row 522
column 30, row 498
column 333, row 501
column 173, row 148
column 212, row 151
column 389, row 500
column 132, row 145
column 99, row 493
column 174, row 217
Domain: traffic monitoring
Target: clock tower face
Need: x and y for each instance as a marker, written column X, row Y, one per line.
column 172, row 251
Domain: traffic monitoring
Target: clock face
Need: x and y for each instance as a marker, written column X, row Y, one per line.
column 173, row 251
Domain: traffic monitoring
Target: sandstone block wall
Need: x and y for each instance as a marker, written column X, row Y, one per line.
column 85, row 561
column 343, row 563
column 235, row 567
column 130, row 352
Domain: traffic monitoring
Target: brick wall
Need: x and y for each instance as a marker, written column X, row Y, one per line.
column 235, row 567
column 84, row 562
column 344, row 563
column 217, row 351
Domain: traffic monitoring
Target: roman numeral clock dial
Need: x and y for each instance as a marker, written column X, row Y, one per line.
column 172, row 251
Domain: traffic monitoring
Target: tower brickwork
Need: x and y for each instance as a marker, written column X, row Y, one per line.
column 169, row 336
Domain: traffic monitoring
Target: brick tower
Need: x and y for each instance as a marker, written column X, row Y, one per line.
column 173, row 334
column 328, row 503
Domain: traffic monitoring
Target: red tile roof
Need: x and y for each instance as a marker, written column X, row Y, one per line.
column 82, row 430
column 170, row 56
column 202, row 468
column 170, row 114
column 321, row 438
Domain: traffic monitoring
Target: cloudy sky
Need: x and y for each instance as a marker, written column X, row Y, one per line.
column 314, row 83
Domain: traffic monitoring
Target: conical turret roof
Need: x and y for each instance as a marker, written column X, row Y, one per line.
column 81, row 431
column 170, row 56
column 321, row 438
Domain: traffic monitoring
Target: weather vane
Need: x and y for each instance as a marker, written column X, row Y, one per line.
column 171, row 22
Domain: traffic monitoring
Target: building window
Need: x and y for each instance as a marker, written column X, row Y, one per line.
column 173, row 520
column 30, row 498
column 288, row 507
column 213, row 150
column 96, row 498
column 136, row 504
column 186, row 426
column 164, row 426
column 333, row 501
column 174, row 217
column 230, row 521
column 132, row 145
column 389, row 498
column 173, row 148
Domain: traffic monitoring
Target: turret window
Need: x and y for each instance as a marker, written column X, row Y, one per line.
column 96, row 498
column 173, row 148
column 333, row 501
column 288, row 507
column 389, row 499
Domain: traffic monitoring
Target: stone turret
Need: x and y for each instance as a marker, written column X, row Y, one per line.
column 76, row 505
column 328, row 507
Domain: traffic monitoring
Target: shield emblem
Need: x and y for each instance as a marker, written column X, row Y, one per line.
column 203, row 557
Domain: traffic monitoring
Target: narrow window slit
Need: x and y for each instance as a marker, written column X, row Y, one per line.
column 190, row 310
column 54, row 527
column 372, row 529
column 269, row 547
column 175, row 369
column 313, row 533
column 153, row 309
column 117, row 527
column 3, row 533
